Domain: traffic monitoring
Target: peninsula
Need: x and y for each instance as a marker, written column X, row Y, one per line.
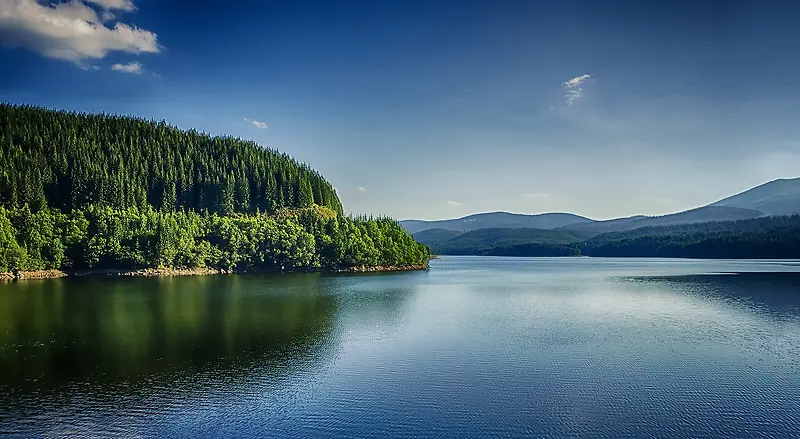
column 100, row 194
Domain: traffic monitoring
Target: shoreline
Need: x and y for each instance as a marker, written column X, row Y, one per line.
column 167, row 272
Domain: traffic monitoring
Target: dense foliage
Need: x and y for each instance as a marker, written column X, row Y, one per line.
column 68, row 161
column 779, row 223
column 722, row 245
column 769, row 238
column 100, row 237
column 82, row 191
column 766, row 238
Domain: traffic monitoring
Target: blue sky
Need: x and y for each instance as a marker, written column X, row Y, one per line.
column 439, row 109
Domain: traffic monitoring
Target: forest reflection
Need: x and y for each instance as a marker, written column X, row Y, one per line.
column 61, row 331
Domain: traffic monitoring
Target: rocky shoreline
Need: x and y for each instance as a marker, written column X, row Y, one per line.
column 151, row 272
column 368, row 269
column 38, row 274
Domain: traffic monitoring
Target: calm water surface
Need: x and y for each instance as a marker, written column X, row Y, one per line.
column 475, row 347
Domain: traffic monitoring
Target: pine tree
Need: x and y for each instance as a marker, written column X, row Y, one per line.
column 305, row 195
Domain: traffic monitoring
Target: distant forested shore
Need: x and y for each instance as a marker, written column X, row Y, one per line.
column 775, row 237
column 83, row 192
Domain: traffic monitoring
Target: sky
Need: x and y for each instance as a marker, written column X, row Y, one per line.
column 439, row 109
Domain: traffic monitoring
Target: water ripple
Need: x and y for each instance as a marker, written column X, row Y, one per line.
column 474, row 348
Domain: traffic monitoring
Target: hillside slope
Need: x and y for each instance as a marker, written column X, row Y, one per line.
column 755, row 225
column 496, row 220
column 70, row 160
column 489, row 240
column 699, row 215
column 774, row 237
column 778, row 197
column 435, row 238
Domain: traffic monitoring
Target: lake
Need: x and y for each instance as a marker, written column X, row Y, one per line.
column 475, row 347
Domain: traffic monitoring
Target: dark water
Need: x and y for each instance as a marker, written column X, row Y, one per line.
column 476, row 347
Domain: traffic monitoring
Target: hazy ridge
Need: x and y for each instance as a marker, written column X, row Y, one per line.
column 754, row 223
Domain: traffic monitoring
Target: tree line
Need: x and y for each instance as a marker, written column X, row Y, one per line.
column 746, row 226
column 769, row 244
column 102, row 237
column 775, row 237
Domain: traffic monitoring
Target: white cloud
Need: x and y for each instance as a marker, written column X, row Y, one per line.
column 133, row 67
column 453, row 203
column 574, row 90
column 576, row 81
column 536, row 195
column 71, row 31
column 256, row 123
column 122, row 5
column 362, row 189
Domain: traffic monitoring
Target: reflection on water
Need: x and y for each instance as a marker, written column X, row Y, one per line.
column 777, row 293
column 476, row 347
column 57, row 332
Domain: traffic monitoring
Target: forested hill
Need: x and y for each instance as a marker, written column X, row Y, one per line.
column 91, row 192
column 70, row 160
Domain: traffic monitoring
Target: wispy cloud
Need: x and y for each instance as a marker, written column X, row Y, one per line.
column 85, row 66
column 453, row 203
column 576, row 81
column 133, row 67
column 361, row 189
column 536, row 195
column 72, row 31
column 256, row 123
column 123, row 5
column 574, row 89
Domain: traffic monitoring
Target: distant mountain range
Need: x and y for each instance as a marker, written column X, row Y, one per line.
column 497, row 219
column 750, row 224
column 778, row 197
column 769, row 237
